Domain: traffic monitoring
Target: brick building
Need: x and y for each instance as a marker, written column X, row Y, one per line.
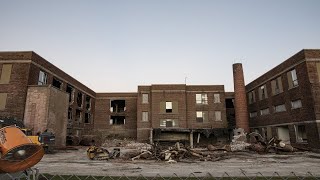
column 43, row 96
column 181, row 112
column 116, row 114
column 285, row 101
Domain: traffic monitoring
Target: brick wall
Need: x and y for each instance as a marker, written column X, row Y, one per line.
column 103, row 113
column 25, row 71
column 304, row 62
column 185, row 98
column 16, row 91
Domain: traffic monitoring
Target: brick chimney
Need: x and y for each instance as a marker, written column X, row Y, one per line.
column 240, row 104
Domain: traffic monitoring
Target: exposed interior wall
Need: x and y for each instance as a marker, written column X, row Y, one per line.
column 58, row 115
column 46, row 108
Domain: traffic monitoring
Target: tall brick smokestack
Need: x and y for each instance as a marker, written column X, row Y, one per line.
column 240, row 104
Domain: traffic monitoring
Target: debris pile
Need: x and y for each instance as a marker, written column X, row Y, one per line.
column 276, row 145
column 239, row 141
column 178, row 153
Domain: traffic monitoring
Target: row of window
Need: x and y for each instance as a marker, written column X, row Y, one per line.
column 200, row 98
column 276, row 87
column 43, row 78
column 278, row 108
column 87, row 116
column 201, row 116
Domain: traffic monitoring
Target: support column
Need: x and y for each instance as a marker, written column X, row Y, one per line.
column 191, row 139
column 151, row 136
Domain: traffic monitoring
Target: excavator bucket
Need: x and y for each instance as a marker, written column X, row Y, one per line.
column 17, row 152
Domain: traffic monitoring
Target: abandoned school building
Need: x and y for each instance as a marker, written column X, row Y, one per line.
column 283, row 102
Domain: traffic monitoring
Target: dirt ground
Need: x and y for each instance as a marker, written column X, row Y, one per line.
column 76, row 162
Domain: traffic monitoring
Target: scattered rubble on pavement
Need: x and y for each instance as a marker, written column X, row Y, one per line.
column 180, row 152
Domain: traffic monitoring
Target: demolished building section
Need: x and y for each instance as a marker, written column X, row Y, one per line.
column 116, row 115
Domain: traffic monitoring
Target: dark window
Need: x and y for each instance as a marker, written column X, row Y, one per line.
column 117, row 120
column 79, row 99
column 56, row 83
column 118, row 106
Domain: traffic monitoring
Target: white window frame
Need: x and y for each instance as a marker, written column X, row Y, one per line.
column 145, row 116
column 218, row 116
column 296, row 104
column 216, row 98
column 43, row 78
column 294, row 78
column 145, row 98
column 202, row 98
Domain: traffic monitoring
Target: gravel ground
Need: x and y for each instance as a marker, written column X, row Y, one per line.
column 76, row 162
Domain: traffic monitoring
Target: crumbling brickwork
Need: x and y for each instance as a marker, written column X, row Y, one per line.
column 110, row 107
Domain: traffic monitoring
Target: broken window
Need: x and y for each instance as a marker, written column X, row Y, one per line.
column 70, row 115
column 229, row 103
column 168, row 123
column 145, row 98
column 201, row 99
column 216, row 98
column 283, row 134
column 202, row 116
column 292, row 79
column 251, row 97
column 117, row 120
column 263, row 92
column 78, row 116
column 88, row 102
column 301, row 133
column 264, row 111
column 56, row 83
column 87, row 118
column 279, row 108
column 118, row 106
column 42, row 78
column 145, row 116
column 3, row 100
column 168, row 107
column 5, row 73
column 276, row 86
column 79, row 99
column 217, row 115
column 296, row 104
column 70, row 91
column 253, row 114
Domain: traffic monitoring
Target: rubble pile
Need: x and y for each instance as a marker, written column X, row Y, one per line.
column 178, row 153
column 239, row 142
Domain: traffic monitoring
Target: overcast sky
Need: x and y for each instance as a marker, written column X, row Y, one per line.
column 114, row 46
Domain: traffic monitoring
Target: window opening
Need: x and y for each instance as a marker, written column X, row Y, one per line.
column 118, row 106
column 117, row 120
